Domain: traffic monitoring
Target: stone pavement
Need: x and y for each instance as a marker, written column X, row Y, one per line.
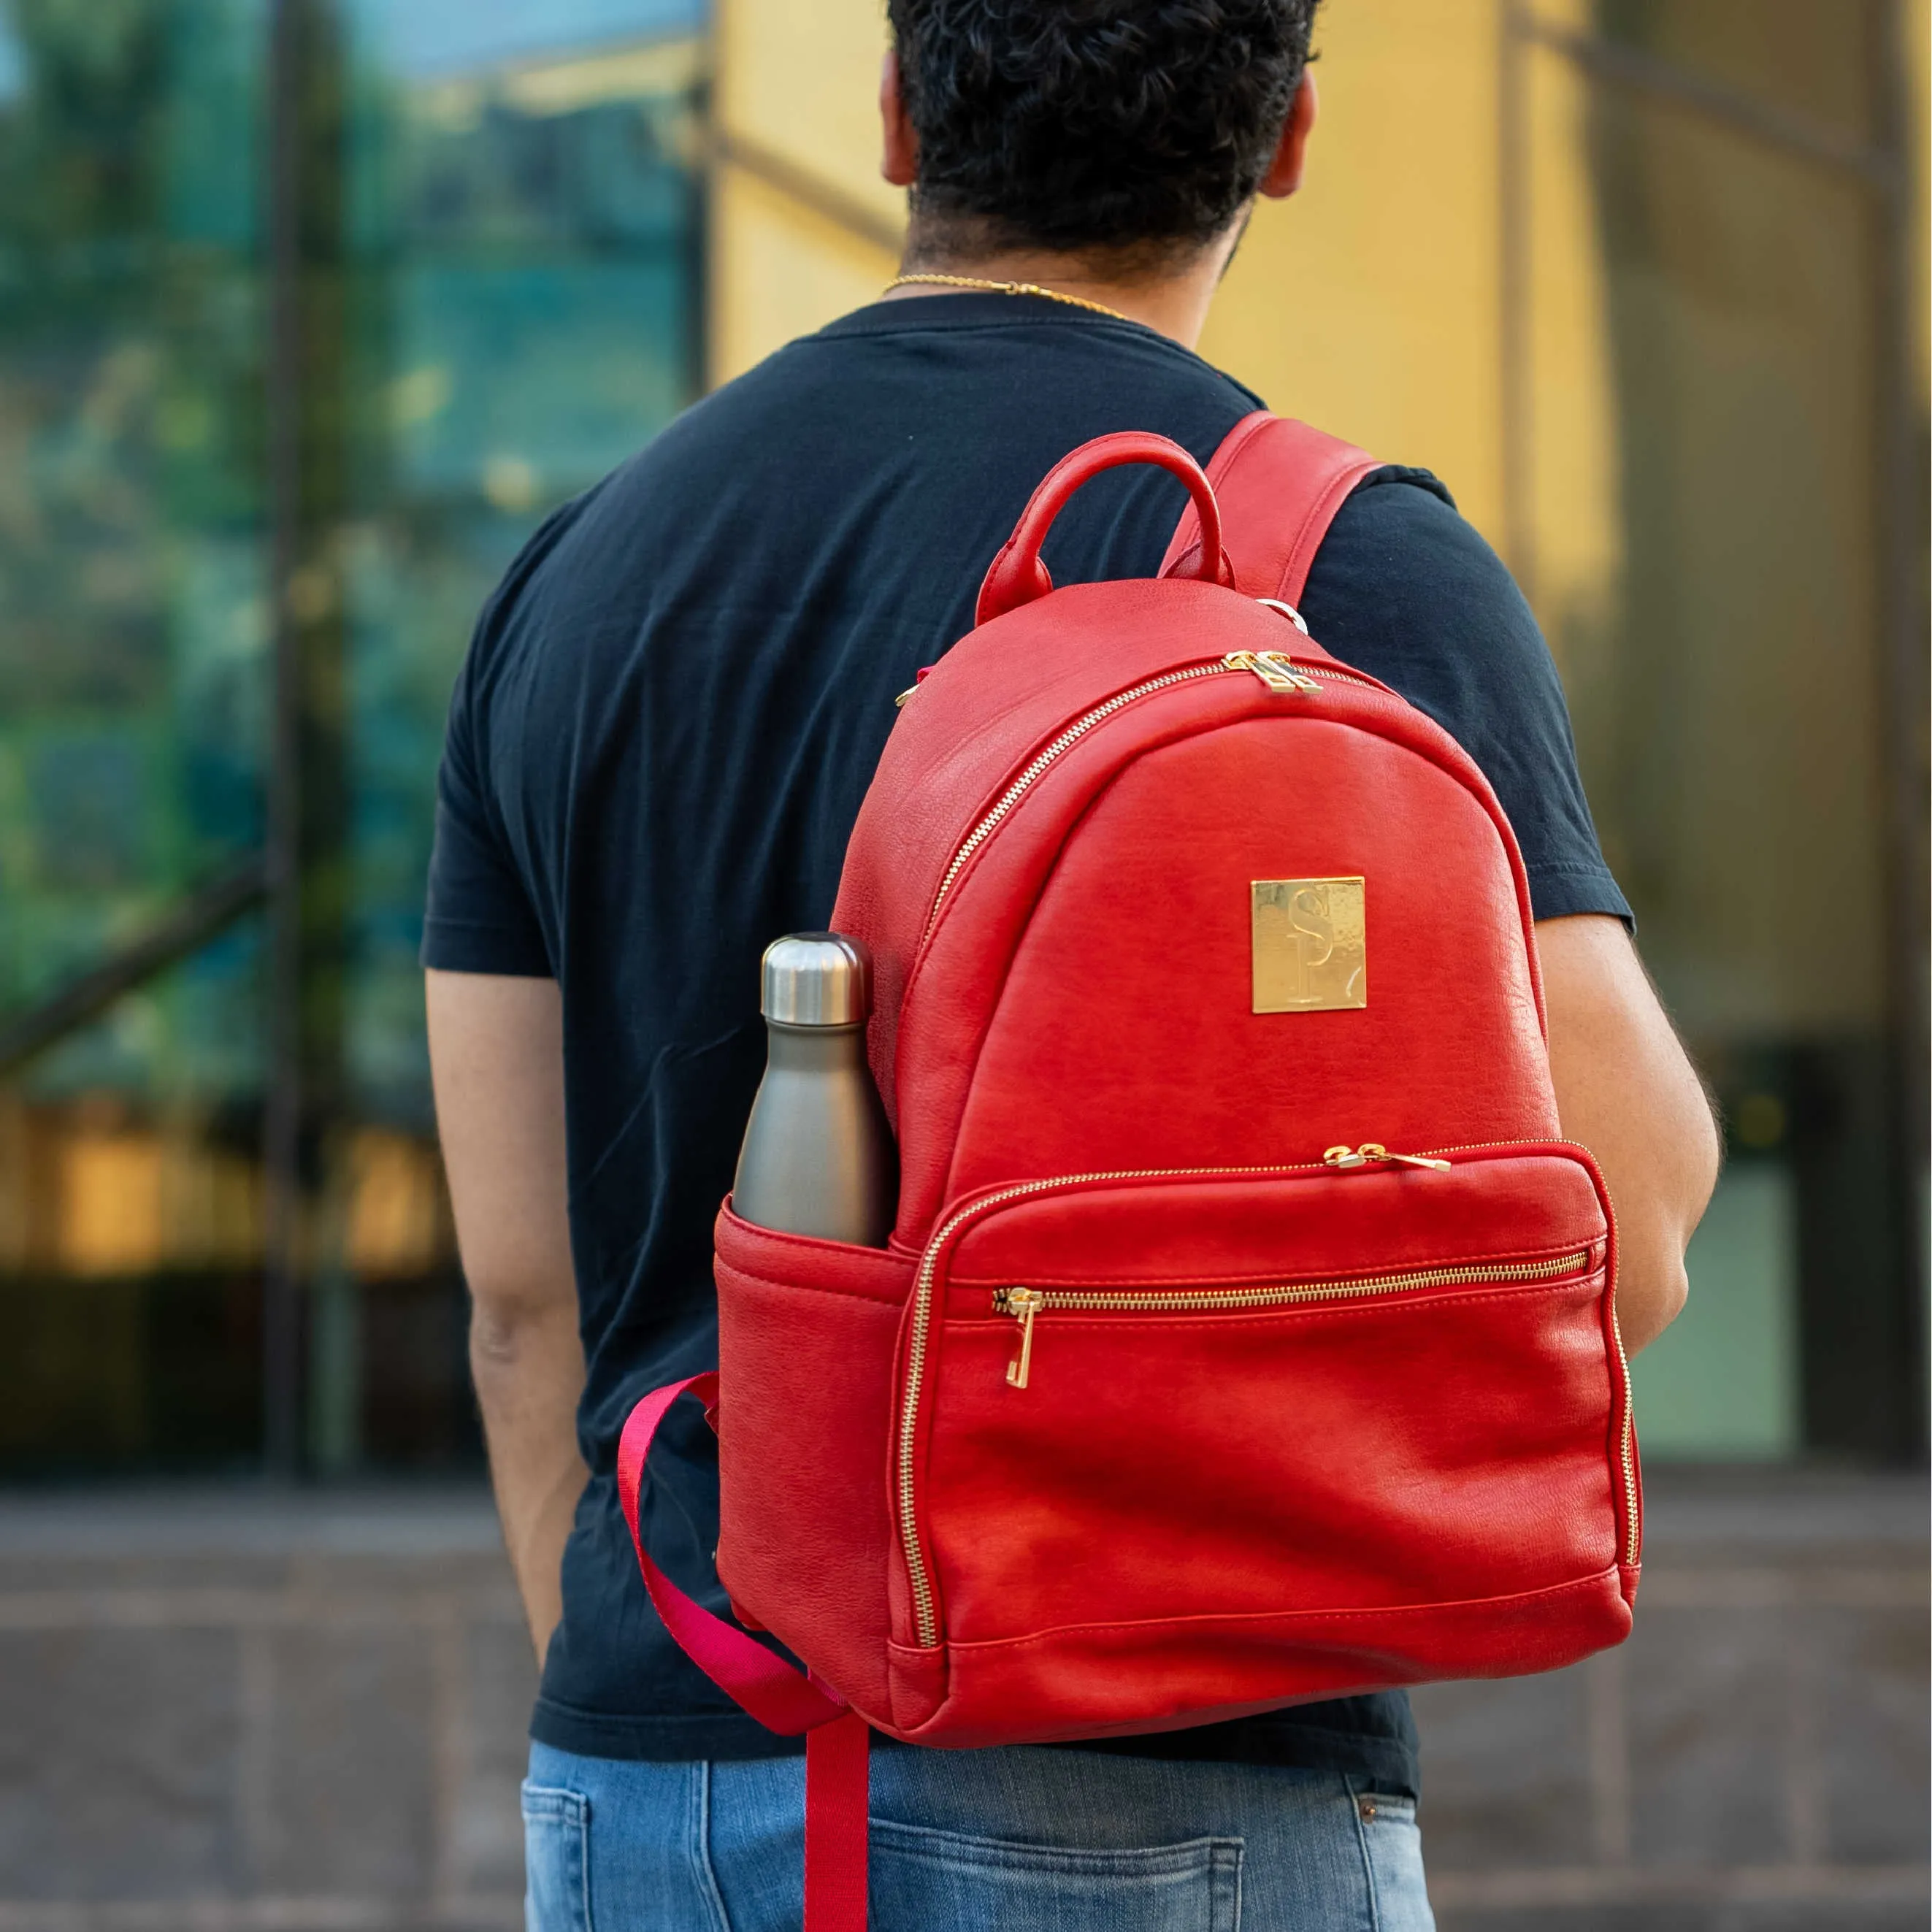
column 244, row 1711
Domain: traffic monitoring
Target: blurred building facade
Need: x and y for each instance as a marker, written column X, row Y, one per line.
column 310, row 309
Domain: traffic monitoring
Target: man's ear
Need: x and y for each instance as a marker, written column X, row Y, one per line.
column 899, row 161
column 1284, row 174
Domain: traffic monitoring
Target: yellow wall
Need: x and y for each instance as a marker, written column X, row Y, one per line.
column 796, row 94
column 1368, row 304
column 801, row 77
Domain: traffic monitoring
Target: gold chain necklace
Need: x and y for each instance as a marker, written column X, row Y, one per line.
column 1007, row 289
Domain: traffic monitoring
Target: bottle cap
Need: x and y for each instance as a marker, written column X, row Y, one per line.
column 817, row 979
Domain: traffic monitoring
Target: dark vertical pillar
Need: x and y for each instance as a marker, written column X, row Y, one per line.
column 1860, row 1147
column 1857, row 1281
column 1901, row 497
column 307, row 782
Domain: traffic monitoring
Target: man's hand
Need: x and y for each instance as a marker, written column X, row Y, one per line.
column 495, row 1048
column 1625, row 1089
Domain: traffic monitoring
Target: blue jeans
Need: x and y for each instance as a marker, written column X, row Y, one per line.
column 1019, row 1841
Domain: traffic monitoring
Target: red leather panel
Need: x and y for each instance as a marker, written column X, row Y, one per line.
column 807, row 1333
column 945, row 1001
column 1146, row 1017
column 984, row 710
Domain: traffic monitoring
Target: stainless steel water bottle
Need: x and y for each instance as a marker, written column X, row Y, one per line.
column 818, row 1157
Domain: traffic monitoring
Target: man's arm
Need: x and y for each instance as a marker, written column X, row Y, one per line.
column 1626, row 1091
column 495, row 1047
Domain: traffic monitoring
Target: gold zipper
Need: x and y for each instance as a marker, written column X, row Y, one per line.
column 1627, row 1435
column 1274, row 668
column 1370, row 1153
column 1633, row 1525
column 1045, row 756
column 1024, row 1304
column 1338, row 671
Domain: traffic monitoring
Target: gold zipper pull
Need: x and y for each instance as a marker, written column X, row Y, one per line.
column 1372, row 1151
column 1022, row 1304
column 1273, row 668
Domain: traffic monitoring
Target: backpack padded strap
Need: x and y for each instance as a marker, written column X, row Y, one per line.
column 1279, row 484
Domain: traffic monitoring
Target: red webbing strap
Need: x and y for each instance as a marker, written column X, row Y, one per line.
column 1279, row 484
column 837, row 1793
column 781, row 1698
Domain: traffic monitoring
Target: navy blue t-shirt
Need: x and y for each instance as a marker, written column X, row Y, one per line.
column 657, row 747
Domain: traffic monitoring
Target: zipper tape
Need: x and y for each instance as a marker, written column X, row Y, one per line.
column 1025, row 1304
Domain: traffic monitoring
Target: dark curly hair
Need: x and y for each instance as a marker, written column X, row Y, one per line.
column 1124, row 128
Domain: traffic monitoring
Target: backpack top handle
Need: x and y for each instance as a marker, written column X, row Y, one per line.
column 1017, row 576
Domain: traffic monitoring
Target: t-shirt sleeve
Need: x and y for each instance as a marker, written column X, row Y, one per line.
column 479, row 918
column 1404, row 588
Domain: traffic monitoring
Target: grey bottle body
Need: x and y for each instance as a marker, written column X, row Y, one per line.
column 818, row 1157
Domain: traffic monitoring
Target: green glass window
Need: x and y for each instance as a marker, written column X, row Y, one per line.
column 309, row 311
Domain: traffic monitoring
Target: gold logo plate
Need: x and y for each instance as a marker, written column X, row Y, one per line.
column 1311, row 948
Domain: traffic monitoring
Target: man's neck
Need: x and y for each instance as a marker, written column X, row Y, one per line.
column 1174, row 304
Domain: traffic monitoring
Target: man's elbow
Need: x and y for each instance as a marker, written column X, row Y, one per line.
column 511, row 1321
column 1653, row 1285
column 1651, row 1290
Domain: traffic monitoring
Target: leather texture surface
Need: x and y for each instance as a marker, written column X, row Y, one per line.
column 807, row 1333
column 1147, row 1017
column 1372, row 1426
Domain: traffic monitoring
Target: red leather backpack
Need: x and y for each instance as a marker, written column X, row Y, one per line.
column 1247, row 1334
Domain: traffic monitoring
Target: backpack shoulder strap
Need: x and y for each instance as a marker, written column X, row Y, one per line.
column 1279, row 484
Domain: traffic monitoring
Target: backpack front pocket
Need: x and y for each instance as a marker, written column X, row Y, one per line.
column 1325, row 1390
